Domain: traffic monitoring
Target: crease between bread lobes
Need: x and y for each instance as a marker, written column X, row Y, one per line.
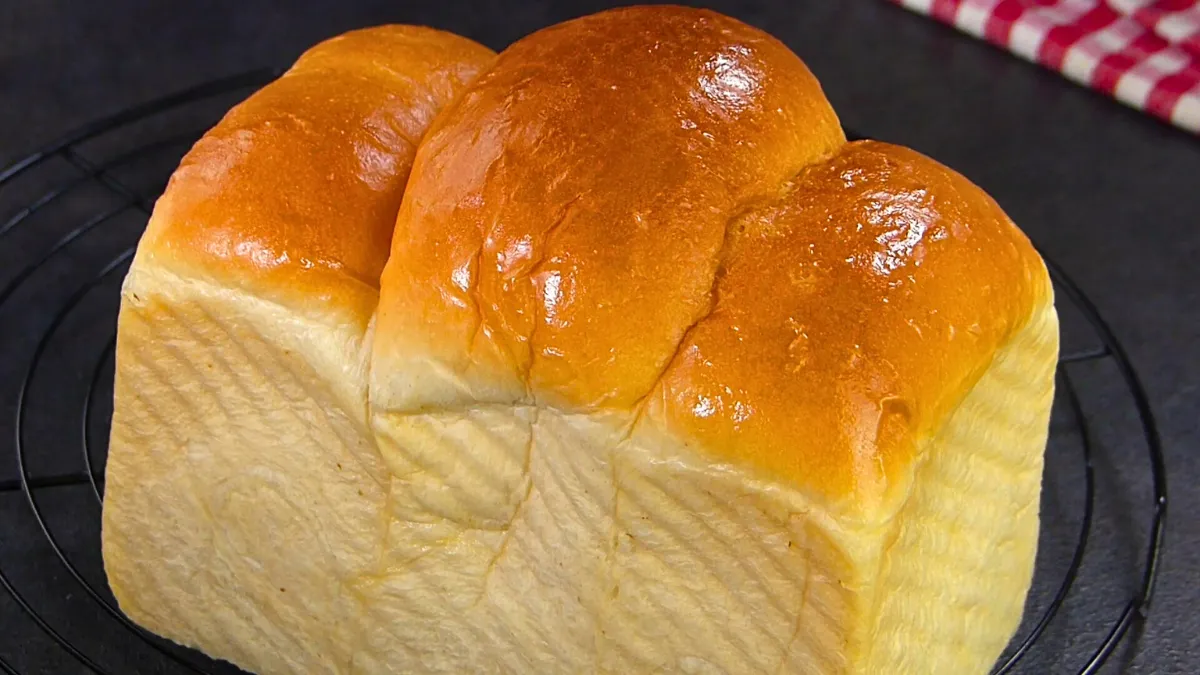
column 660, row 375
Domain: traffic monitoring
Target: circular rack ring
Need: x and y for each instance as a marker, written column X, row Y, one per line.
column 21, row 446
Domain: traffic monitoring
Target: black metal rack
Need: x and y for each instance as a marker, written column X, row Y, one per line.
column 41, row 204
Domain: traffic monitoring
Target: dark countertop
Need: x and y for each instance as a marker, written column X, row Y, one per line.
column 1112, row 195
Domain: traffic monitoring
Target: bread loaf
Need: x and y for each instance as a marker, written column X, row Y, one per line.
column 659, row 374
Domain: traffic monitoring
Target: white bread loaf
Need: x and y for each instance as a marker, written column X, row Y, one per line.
column 661, row 374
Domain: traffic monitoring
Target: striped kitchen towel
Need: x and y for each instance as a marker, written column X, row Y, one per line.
column 1146, row 53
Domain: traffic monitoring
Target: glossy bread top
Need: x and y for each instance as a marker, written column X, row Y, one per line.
column 654, row 210
column 566, row 217
column 299, row 185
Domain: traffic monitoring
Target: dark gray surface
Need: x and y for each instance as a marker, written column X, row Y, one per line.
column 1110, row 194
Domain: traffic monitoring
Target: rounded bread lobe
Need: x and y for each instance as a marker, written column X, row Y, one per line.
column 299, row 184
column 563, row 222
column 850, row 318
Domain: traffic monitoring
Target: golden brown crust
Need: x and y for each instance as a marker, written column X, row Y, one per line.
column 299, row 185
column 850, row 318
column 564, row 218
column 654, row 210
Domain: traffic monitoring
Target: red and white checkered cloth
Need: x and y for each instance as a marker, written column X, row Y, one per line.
column 1146, row 53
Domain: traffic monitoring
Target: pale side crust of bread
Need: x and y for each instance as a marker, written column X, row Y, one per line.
column 241, row 485
column 259, row 522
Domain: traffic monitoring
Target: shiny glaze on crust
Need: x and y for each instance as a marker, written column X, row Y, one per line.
column 566, row 215
column 849, row 317
column 301, row 182
column 653, row 210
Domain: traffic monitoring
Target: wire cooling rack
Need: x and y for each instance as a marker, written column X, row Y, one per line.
column 72, row 213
